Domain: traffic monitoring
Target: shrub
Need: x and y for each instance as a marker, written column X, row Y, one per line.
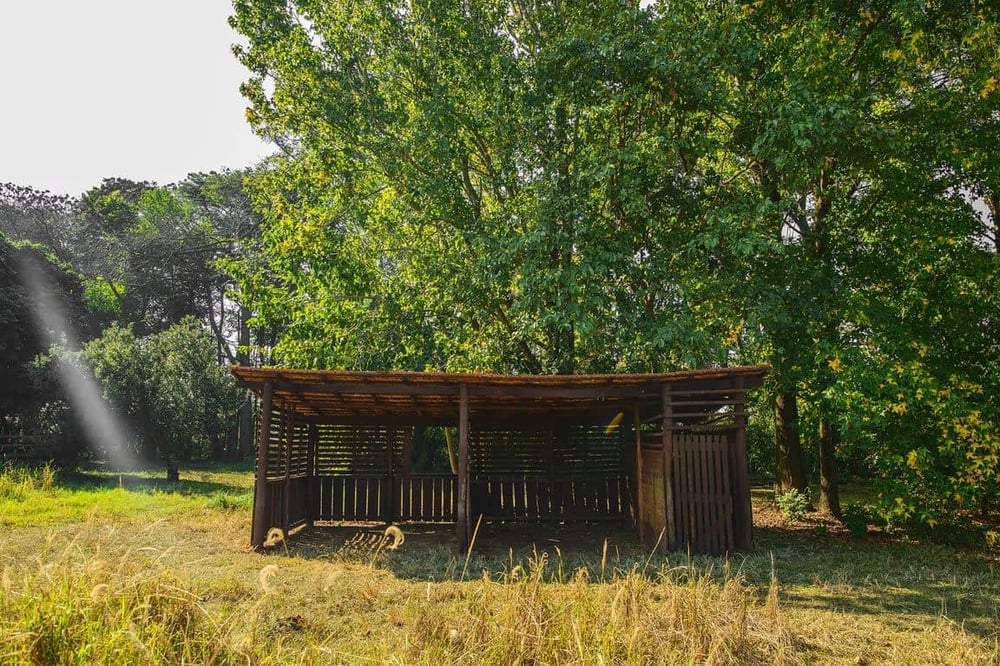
column 793, row 504
column 856, row 518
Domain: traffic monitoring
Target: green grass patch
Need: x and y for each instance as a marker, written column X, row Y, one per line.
column 42, row 496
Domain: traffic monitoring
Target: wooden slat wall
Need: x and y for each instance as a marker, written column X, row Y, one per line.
column 344, row 449
column 652, row 515
column 296, row 493
column 426, row 498
column 703, row 498
column 573, row 473
column 287, row 474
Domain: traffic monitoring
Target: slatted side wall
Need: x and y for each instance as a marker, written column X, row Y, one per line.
column 354, row 468
column 353, row 450
column 702, row 492
column 426, row 498
column 652, row 518
column 572, row 474
column 564, row 474
column 287, row 471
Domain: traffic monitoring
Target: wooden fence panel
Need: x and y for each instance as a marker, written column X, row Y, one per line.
column 703, row 501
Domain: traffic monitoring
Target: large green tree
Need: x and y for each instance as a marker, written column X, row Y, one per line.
column 841, row 195
column 484, row 184
column 169, row 388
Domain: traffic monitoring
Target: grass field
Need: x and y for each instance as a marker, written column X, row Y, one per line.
column 101, row 568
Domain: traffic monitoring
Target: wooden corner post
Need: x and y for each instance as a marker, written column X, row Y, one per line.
column 639, row 510
column 312, row 491
column 743, row 513
column 462, row 510
column 670, row 520
column 260, row 498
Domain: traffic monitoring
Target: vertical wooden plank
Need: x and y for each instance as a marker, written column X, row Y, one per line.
column 725, row 492
column 260, row 495
column 325, row 498
column 288, row 423
column 405, row 495
column 312, row 487
column 708, row 476
column 351, row 498
column 711, row 494
column 555, row 493
column 722, row 491
column 435, row 490
column 531, row 498
column 638, row 512
column 742, row 512
column 687, row 516
column 704, row 516
column 450, row 497
column 681, row 490
column 692, row 489
column 667, row 462
column 462, row 513
column 334, row 494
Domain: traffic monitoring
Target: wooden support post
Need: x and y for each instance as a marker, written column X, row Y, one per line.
column 463, row 469
column 386, row 506
column 406, row 469
column 260, row 498
column 670, row 522
column 312, row 489
column 288, row 423
column 742, row 510
column 640, row 514
column 554, row 501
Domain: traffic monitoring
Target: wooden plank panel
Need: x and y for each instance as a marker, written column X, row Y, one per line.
column 712, row 492
column 700, row 482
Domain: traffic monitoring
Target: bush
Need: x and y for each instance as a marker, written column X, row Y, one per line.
column 856, row 518
column 793, row 504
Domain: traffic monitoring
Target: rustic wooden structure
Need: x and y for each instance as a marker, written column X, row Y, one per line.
column 666, row 451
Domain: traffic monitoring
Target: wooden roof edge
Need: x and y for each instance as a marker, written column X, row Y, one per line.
column 255, row 377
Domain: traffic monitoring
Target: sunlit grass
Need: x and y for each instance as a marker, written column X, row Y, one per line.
column 97, row 570
column 34, row 497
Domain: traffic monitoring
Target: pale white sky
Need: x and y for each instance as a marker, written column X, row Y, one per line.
column 142, row 89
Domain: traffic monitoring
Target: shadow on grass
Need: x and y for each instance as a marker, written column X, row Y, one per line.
column 193, row 482
column 879, row 575
column 430, row 551
column 876, row 576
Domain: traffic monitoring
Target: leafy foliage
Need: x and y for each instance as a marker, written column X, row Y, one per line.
column 171, row 388
column 793, row 503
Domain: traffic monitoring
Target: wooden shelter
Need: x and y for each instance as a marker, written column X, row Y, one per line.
column 664, row 451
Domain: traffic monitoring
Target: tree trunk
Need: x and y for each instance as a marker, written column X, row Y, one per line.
column 788, row 444
column 829, row 498
column 173, row 472
column 246, row 429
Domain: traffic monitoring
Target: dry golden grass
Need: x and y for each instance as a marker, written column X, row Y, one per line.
column 185, row 587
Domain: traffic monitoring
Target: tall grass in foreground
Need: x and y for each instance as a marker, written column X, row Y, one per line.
column 70, row 610
column 635, row 618
column 75, row 607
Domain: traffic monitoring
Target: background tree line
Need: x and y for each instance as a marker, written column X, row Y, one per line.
column 541, row 186
column 133, row 274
